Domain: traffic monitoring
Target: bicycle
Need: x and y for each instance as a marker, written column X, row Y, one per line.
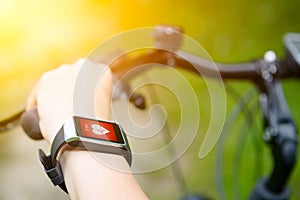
column 280, row 131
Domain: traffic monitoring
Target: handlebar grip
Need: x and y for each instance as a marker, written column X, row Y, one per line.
column 30, row 124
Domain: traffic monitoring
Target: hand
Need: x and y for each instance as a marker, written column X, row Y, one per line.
column 53, row 97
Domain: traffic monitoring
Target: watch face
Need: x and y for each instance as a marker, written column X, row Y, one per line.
column 97, row 129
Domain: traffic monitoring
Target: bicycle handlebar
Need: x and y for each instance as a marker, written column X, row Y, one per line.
column 253, row 71
column 191, row 63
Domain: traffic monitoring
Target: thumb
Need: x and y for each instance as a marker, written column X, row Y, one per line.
column 92, row 91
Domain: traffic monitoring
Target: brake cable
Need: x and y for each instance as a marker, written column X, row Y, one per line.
column 239, row 151
column 230, row 120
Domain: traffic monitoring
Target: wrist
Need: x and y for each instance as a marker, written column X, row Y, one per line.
column 91, row 135
column 82, row 168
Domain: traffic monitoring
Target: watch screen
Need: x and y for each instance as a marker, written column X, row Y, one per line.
column 101, row 130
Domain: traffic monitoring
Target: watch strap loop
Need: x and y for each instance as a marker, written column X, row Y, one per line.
column 45, row 160
column 54, row 172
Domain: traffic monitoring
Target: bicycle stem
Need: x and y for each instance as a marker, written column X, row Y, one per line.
column 280, row 132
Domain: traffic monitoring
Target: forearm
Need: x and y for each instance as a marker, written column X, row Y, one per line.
column 88, row 178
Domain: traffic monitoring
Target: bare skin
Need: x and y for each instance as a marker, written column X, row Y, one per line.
column 85, row 177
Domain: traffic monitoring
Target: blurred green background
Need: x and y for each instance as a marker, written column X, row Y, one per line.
column 36, row 36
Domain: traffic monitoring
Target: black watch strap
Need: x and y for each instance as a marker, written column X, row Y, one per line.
column 51, row 165
column 57, row 144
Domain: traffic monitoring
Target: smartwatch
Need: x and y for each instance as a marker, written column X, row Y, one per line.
column 88, row 134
